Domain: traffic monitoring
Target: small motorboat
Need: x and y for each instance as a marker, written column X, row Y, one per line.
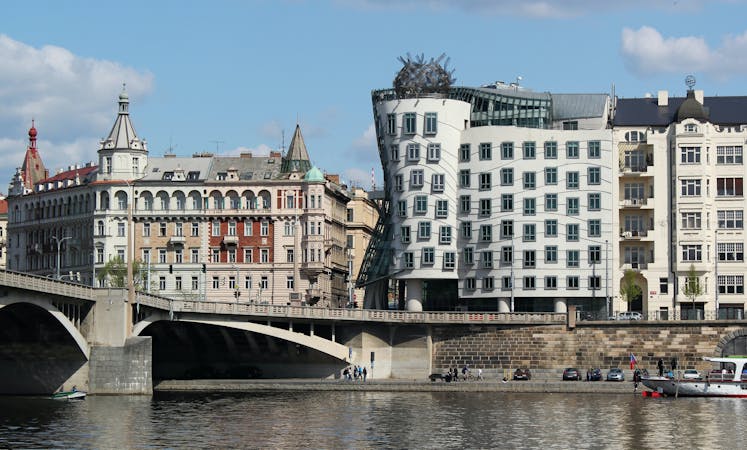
column 69, row 395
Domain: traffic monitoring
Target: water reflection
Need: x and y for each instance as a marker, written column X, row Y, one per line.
column 373, row 419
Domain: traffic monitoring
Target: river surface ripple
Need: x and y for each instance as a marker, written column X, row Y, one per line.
column 373, row 420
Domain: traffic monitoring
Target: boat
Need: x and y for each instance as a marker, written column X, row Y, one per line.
column 728, row 381
column 69, row 395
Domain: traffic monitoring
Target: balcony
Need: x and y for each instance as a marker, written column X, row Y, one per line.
column 312, row 293
column 634, row 202
column 633, row 235
column 230, row 240
column 177, row 240
column 636, row 266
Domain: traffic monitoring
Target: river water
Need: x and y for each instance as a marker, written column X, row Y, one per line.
column 373, row 419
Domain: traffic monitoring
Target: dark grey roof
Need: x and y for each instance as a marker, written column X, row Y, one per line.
column 578, row 106
column 729, row 110
column 157, row 167
column 254, row 168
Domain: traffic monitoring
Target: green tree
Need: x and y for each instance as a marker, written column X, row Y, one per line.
column 116, row 272
column 628, row 288
column 692, row 289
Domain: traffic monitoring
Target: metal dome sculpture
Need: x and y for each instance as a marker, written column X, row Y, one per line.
column 418, row 76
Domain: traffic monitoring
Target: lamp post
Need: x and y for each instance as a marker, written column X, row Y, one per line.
column 715, row 267
column 130, row 246
column 512, row 276
column 59, row 245
column 606, row 276
column 236, row 292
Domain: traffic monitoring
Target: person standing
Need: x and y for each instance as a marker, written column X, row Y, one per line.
column 365, row 374
column 660, row 365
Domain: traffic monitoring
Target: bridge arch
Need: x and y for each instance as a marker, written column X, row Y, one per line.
column 320, row 344
column 734, row 343
column 80, row 341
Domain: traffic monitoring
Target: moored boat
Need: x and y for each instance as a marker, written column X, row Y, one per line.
column 69, row 395
column 729, row 381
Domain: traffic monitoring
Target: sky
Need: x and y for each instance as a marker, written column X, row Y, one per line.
column 230, row 76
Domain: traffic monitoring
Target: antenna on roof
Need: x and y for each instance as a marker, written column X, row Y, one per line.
column 217, row 145
column 282, row 141
column 170, row 150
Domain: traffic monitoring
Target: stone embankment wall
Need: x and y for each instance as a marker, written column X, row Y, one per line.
column 122, row 370
column 496, row 348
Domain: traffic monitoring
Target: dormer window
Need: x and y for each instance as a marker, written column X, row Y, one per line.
column 222, row 176
column 193, row 175
column 691, row 128
column 635, row 136
column 167, row 176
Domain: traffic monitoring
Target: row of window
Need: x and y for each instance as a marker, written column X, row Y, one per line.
column 727, row 252
column 530, row 283
column 506, row 231
column 506, row 257
column 220, row 283
column 484, row 206
column 727, row 220
column 725, row 154
column 409, row 123
column 725, row 187
column 529, row 150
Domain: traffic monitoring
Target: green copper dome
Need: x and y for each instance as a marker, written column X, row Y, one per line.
column 314, row 174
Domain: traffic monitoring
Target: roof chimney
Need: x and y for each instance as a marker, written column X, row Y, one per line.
column 663, row 98
column 699, row 96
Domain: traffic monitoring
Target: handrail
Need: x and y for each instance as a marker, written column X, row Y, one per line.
column 360, row 315
column 44, row 284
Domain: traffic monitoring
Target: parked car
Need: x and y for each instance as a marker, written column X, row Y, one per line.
column 629, row 315
column 615, row 374
column 522, row 374
column 691, row 374
column 571, row 373
column 595, row 375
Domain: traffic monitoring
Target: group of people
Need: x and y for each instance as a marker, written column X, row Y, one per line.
column 453, row 374
column 355, row 373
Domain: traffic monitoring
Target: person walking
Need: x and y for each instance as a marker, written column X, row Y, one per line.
column 365, row 374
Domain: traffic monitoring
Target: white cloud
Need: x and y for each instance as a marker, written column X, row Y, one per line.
column 72, row 98
column 645, row 51
column 367, row 141
column 529, row 8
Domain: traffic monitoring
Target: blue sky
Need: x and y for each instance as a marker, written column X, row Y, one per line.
column 242, row 72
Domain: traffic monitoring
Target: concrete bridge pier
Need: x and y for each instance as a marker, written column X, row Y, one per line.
column 400, row 351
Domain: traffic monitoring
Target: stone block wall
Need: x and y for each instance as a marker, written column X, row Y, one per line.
column 495, row 348
column 122, row 370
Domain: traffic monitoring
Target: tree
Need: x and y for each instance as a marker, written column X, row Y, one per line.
column 628, row 288
column 692, row 289
column 116, row 272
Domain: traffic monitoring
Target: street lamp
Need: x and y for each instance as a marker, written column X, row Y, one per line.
column 606, row 275
column 236, row 292
column 59, row 245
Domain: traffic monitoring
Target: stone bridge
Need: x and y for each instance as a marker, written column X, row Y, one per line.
column 55, row 334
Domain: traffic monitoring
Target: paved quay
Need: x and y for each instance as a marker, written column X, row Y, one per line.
column 264, row 385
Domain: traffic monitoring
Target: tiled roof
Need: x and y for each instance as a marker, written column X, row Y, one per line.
column 731, row 110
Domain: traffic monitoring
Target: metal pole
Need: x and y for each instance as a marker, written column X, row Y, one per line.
column 606, row 276
column 715, row 269
column 59, row 242
column 350, row 277
column 512, row 276
column 130, row 246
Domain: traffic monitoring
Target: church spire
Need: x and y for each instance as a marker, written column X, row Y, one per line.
column 33, row 169
column 123, row 136
column 297, row 158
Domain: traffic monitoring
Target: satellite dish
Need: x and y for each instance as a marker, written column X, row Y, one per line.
column 690, row 81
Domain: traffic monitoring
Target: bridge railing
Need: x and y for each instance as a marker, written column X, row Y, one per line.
column 366, row 315
column 44, row 284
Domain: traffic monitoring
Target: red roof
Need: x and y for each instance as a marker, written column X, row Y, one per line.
column 3, row 206
column 70, row 174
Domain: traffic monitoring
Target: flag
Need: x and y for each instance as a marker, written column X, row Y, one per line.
column 633, row 361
